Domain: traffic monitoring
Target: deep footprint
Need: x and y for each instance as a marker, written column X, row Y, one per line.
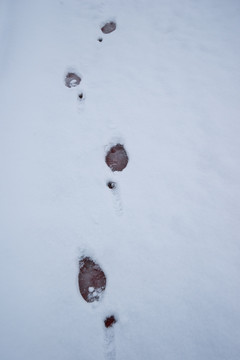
column 109, row 27
column 91, row 280
column 117, row 158
column 72, row 80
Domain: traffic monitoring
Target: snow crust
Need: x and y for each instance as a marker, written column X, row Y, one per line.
column 166, row 84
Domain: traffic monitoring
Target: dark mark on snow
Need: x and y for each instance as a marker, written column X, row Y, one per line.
column 110, row 321
column 72, row 80
column 112, row 185
column 117, row 158
column 91, row 280
column 109, row 27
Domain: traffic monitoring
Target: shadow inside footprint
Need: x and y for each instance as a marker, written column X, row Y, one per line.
column 109, row 27
column 117, row 158
column 91, row 280
column 72, row 80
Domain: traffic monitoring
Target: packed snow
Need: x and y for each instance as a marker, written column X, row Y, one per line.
column 165, row 84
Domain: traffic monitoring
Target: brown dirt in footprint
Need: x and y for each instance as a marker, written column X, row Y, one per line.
column 109, row 27
column 72, row 80
column 91, row 280
column 110, row 321
column 117, row 158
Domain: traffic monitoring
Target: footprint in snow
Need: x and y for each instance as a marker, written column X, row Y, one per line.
column 91, row 280
column 72, row 80
column 109, row 27
column 117, row 158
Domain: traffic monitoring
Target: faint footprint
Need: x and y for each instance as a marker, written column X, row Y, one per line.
column 109, row 341
column 91, row 280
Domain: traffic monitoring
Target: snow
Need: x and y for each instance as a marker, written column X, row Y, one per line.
column 166, row 84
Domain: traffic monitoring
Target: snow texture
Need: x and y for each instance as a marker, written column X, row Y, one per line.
column 166, row 85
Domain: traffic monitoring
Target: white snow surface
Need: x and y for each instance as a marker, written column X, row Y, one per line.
column 166, row 84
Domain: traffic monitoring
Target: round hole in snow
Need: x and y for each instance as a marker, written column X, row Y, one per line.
column 72, row 80
column 100, row 39
column 109, row 27
column 91, row 280
column 112, row 185
column 117, row 158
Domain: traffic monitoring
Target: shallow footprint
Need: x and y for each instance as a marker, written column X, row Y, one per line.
column 109, row 27
column 91, row 280
column 72, row 80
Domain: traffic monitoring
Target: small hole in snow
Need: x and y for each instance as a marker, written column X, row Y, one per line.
column 80, row 96
column 100, row 39
column 110, row 321
column 111, row 185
